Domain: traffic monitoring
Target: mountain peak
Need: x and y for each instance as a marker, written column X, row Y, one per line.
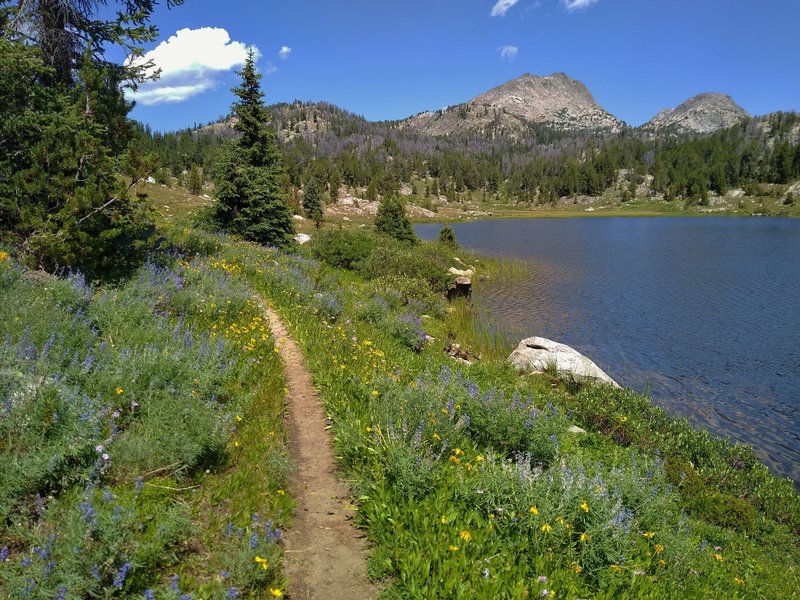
column 703, row 113
column 555, row 100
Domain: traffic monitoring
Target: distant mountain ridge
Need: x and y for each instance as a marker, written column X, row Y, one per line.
column 555, row 100
column 704, row 113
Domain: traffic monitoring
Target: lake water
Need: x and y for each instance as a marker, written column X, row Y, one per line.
column 701, row 313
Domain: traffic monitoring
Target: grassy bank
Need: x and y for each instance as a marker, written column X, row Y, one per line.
column 143, row 441
column 468, row 479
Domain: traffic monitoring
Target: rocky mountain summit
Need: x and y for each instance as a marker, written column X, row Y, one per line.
column 556, row 101
column 704, row 113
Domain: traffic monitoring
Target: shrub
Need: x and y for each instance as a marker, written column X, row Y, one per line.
column 407, row 328
column 343, row 248
column 423, row 262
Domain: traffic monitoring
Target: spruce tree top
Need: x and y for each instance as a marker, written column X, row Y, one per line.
column 252, row 116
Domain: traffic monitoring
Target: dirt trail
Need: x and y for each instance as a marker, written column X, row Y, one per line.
column 325, row 553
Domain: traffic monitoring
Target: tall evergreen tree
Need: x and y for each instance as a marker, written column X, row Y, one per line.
column 249, row 198
column 393, row 220
column 312, row 202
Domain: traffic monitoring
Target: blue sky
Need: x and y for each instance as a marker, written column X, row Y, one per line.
column 387, row 60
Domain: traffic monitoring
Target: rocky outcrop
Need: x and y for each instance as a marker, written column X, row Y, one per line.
column 555, row 100
column 460, row 288
column 704, row 113
column 538, row 355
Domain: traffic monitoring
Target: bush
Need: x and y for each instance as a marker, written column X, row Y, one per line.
column 407, row 328
column 343, row 248
column 423, row 262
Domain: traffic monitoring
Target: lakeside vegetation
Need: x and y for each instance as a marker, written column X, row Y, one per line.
column 143, row 444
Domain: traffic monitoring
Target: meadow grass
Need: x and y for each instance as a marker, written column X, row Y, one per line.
column 141, row 438
column 469, row 483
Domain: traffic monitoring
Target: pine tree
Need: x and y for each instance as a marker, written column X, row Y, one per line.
column 249, row 200
column 393, row 220
column 312, row 203
column 195, row 182
column 448, row 237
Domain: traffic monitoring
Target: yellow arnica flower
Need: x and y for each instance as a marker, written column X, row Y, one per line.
column 717, row 557
column 374, row 392
column 276, row 592
column 465, row 535
column 534, row 511
column 453, row 548
column 455, row 459
column 547, row 528
column 585, row 537
column 119, row 390
column 649, row 535
column 616, row 568
column 458, row 451
column 443, row 519
column 238, row 419
column 478, row 458
column 738, row 581
column 622, row 419
column 584, row 506
column 659, row 548
column 3, row 256
column 560, row 520
column 576, row 568
column 263, row 562
column 662, row 563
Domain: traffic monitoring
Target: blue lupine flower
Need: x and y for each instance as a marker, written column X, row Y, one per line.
column 121, row 575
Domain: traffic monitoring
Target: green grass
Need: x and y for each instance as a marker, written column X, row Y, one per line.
column 449, row 460
column 141, row 440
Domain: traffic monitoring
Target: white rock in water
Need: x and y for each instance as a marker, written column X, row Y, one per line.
column 302, row 238
column 460, row 273
column 538, row 354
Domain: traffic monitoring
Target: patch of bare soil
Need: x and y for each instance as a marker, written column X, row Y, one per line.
column 325, row 553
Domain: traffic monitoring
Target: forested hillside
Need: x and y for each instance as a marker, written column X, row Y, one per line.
column 538, row 166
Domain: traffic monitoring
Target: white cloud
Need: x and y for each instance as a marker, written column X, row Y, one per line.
column 502, row 6
column 508, row 52
column 572, row 5
column 191, row 62
column 284, row 52
column 270, row 69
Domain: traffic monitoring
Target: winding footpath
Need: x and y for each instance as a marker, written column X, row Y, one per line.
column 325, row 553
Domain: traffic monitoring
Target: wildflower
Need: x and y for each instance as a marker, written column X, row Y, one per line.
column 658, row 549
column 4, row 256
column 560, row 520
column 638, row 572
column 649, row 535
column 717, row 557
column 547, row 528
column 443, row 519
column 454, row 459
column 465, row 535
column 263, row 562
column 374, row 393
column 533, row 510
column 542, row 579
column 276, row 592
column 236, row 443
column 585, row 537
column 232, row 593
column 453, row 548
column 485, row 572
column 545, row 593
column 458, row 451
column 662, row 563
column 575, row 568
column 238, row 419
column 149, row 594
column 121, row 575
column 584, row 506
column 281, row 493
column 623, row 419
column 119, row 390
column 616, row 568
column 738, row 581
